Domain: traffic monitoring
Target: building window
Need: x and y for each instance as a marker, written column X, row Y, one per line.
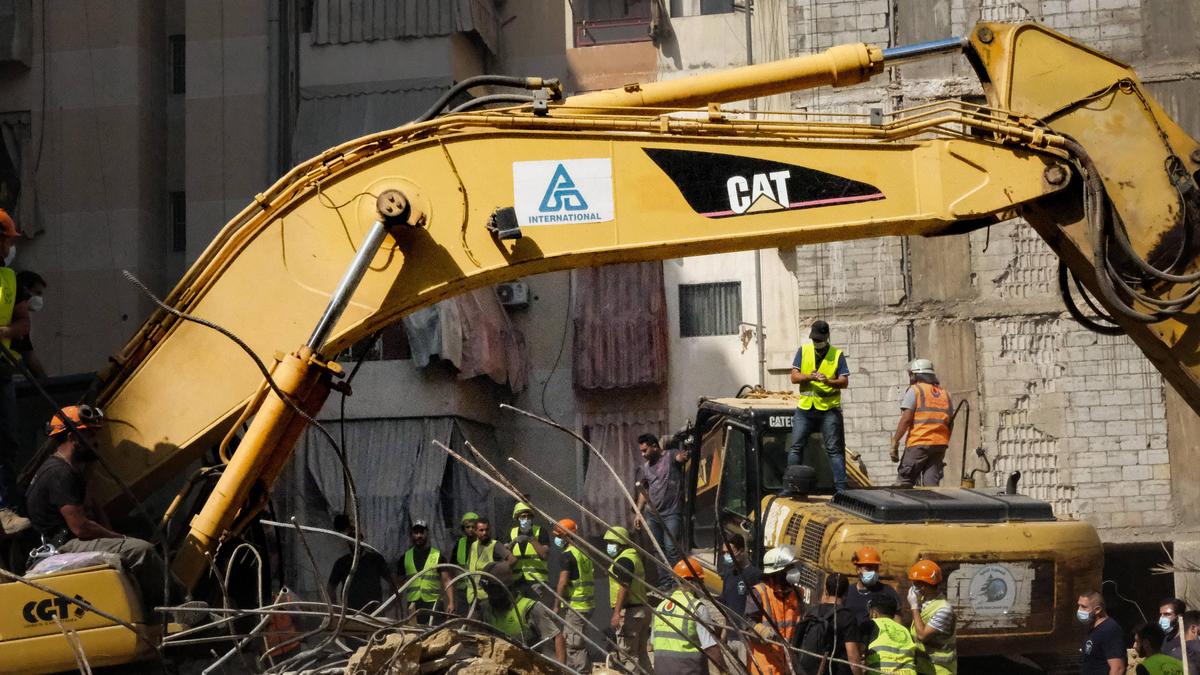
column 178, row 61
column 178, row 215
column 701, row 7
column 710, row 309
column 603, row 22
column 391, row 345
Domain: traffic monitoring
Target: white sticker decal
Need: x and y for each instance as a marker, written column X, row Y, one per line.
column 556, row 192
column 997, row 595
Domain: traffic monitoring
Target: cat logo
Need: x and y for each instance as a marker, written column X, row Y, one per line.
column 38, row 611
column 760, row 192
column 778, row 421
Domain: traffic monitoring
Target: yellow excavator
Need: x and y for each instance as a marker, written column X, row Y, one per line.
column 354, row 239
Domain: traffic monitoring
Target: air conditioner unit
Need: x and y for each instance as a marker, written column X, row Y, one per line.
column 513, row 294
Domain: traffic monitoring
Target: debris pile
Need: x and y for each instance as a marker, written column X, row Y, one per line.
column 448, row 651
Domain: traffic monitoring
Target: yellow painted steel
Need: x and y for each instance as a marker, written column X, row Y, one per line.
column 838, row 66
column 177, row 387
column 32, row 642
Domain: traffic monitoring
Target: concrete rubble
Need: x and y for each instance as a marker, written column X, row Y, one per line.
column 451, row 652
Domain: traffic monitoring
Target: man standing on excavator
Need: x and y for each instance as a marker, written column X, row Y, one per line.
column 926, row 413
column 56, row 499
column 821, row 371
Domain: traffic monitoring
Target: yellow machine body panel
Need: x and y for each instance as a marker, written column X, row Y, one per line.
column 1013, row 584
column 31, row 641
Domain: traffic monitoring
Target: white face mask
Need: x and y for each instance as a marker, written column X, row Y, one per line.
column 12, row 254
column 869, row 577
column 793, row 577
column 36, row 303
column 558, row 541
column 728, row 559
column 612, row 550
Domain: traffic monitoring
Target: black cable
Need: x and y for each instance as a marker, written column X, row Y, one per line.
column 1073, row 309
column 477, row 81
column 481, row 101
column 562, row 342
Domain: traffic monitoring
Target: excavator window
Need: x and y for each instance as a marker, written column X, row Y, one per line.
column 774, row 444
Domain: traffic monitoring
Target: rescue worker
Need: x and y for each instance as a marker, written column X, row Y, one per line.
column 462, row 557
column 31, row 289
column 925, row 418
column 56, row 497
column 822, row 373
column 14, row 324
column 522, row 619
column 933, row 621
column 890, row 647
column 484, row 551
column 684, row 636
column 530, row 545
column 421, row 561
column 1170, row 619
column 577, row 585
column 1103, row 650
column 775, row 608
column 1147, row 642
column 738, row 577
column 867, row 561
column 627, row 597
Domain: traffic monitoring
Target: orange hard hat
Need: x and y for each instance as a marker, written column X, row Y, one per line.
column 926, row 571
column 82, row 416
column 866, row 555
column 7, row 227
column 689, row 568
column 568, row 525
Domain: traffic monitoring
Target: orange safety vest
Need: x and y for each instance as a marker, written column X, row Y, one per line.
column 931, row 417
column 770, row 658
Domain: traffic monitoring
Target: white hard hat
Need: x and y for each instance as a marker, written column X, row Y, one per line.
column 777, row 559
column 921, row 367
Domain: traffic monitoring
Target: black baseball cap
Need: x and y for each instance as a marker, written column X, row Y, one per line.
column 820, row 331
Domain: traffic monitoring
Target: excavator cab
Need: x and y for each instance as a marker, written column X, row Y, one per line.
column 743, row 444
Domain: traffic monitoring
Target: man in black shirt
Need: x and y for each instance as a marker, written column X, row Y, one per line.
column 738, row 576
column 1104, row 649
column 867, row 561
column 841, row 640
column 372, row 570
column 57, row 497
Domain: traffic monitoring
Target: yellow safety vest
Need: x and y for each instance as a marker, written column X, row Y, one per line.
column 462, row 558
column 1161, row 664
column 637, row 588
column 941, row 659
column 479, row 560
column 581, row 592
column 514, row 622
column 530, row 565
column 817, row 394
column 675, row 626
column 8, row 301
column 893, row 649
column 427, row 587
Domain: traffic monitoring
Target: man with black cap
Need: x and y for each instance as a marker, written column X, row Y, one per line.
column 821, row 371
column 421, row 561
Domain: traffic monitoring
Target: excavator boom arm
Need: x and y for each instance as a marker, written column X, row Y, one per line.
column 495, row 195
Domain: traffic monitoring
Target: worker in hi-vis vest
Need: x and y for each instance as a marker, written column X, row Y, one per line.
column 430, row 585
column 926, row 414
column 821, row 371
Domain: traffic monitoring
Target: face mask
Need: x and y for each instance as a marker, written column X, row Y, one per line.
column 36, row 303
column 612, row 550
column 793, row 577
column 524, row 522
column 869, row 577
column 728, row 559
column 820, row 344
column 1164, row 622
column 12, row 254
column 1083, row 616
column 558, row 541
